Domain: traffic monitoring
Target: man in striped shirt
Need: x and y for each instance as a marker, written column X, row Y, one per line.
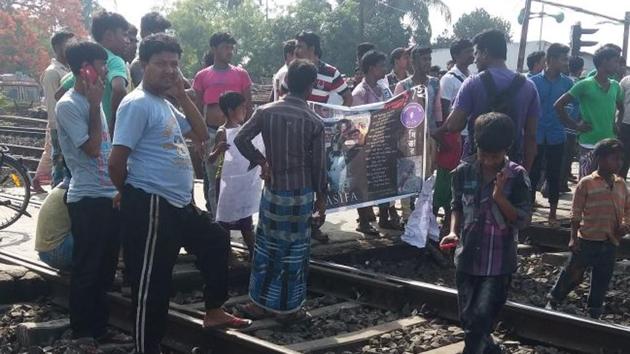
column 330, row 85
column 600, row 216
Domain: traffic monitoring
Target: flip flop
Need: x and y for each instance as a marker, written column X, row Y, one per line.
column 233, row 322
column 299, row 316
column 250, row 310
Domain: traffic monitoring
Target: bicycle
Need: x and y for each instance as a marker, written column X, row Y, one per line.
column 15, row 189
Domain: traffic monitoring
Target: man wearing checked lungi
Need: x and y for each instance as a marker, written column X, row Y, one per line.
column 294, row 170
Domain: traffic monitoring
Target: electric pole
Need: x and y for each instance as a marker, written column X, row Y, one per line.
column 361, row 21
column 523, row 43
column 626, row 33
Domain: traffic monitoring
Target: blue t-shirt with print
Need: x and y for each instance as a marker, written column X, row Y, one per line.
column 159, row 162
column 90, row 177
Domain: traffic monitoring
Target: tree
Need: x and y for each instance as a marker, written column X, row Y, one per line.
column 418, row 12
column 196, row 20
column 260, row 38
column 473, row 23
column 89, row 7
column 26, row 29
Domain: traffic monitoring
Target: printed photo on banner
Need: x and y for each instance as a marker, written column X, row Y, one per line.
column 375, row 152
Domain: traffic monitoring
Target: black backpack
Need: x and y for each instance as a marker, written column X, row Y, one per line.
column 502, row 102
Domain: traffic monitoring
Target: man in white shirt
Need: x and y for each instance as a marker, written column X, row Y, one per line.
column 462, row 54
column 51, row 167
column 278, row 78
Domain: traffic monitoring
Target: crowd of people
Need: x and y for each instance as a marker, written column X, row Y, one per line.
column 120, row 113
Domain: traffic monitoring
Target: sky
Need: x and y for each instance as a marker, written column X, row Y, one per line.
column 508, row 9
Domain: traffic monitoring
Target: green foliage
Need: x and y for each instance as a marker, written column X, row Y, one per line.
column 472, row 23
column 194, row 22
column 260, row 39
column 4, row 102
column 89, row 7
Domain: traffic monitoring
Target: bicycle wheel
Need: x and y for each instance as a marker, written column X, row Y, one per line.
column 15, row 191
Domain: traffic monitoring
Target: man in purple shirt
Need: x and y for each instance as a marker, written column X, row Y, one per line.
column 520, row 97
column 372, row 90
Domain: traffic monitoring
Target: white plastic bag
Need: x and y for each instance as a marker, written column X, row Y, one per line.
column 422, row 223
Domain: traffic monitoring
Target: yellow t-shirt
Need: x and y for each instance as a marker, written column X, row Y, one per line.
column 53, row 222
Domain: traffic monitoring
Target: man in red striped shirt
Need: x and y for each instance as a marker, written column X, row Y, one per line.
column 330, row 87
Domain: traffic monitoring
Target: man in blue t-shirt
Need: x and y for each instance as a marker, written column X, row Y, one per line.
column 86, row 145
column 151, row 168
column 551, row 135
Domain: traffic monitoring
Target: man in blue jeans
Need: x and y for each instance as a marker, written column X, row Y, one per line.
column 551, row 134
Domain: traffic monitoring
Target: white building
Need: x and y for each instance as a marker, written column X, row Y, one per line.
column 440, row 56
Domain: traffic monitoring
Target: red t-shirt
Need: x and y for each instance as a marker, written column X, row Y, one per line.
column 450, row 153
column 213, row 83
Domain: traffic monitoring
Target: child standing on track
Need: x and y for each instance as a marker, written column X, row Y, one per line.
column 491, row 203
column 599, row 218
column 234, row 106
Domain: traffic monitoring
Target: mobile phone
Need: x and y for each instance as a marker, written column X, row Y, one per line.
column 448, row 246
column 89, row 73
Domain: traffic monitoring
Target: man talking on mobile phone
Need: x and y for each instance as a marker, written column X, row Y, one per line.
column 86, row 145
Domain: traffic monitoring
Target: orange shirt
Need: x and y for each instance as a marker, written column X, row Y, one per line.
column 600, row 209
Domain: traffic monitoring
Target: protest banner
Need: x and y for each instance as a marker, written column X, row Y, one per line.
column 376, row 152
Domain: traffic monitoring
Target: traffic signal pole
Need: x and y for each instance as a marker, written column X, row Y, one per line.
column 626, row 33
column 576, row 38
column 625, row 21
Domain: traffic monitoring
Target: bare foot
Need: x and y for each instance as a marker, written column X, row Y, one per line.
column 217, row 318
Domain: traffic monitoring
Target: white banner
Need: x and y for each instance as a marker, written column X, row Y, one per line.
column 240, row 189
column 377, row 152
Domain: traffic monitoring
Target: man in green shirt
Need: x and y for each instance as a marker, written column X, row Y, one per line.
column 109, row 30
column 600, row 98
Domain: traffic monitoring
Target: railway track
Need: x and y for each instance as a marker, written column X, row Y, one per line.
column 23, row 150
column 29, row 162
column 28, row 131
column 362, row 292
column 22, row 121
column 557, row 238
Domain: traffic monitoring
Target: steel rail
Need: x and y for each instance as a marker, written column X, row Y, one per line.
column 33, row 151
column 183, row 331
column 528, row 322
column 557, row 238
column 23, row 119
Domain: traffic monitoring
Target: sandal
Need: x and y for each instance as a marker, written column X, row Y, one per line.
column 232, row 322
column 251, row 310
column 367, row 229
column 300, row 315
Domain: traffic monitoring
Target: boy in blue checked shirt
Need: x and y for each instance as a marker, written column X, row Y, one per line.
column 491, row 203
